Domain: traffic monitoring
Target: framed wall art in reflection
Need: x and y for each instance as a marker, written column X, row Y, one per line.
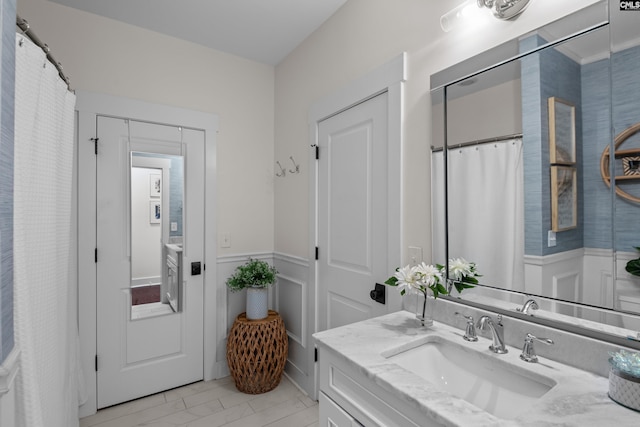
column 562, row 132
column 154, row 212
column 155, row 185
column 564, row 198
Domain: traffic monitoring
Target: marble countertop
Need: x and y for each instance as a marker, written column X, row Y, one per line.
column 578, row 399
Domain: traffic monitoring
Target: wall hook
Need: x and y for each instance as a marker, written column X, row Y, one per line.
column 296, row 166
column 282, row 172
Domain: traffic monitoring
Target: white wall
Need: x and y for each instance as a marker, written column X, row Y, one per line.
column 146, row 238
column 360, row 36
column 105, row 56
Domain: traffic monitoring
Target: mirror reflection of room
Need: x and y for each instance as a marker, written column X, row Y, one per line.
column 156, row 233
column 525, row 145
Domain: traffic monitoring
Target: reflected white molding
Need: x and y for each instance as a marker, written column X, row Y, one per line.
column 554, row 258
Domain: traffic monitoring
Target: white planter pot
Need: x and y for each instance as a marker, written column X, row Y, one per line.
column 257, row 303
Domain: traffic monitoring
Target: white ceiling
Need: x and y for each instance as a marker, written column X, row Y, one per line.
column 261, row 30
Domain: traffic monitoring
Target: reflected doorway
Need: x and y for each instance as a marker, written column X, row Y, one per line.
column 156, row 200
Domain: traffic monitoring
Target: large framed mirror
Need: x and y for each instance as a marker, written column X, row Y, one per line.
column 519, row 136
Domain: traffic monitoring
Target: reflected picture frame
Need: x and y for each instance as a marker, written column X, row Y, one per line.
column 562, row 132
column 155, row 212
column 155, row 185
column 564, row 198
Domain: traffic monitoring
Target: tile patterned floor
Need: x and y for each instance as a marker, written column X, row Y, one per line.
column 212, row 404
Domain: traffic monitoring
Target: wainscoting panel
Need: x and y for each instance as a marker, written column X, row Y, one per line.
column 597, row 288
column 291, row 294
column 566, row 286
column 290, row 297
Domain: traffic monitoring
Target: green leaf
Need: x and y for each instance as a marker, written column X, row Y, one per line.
column 460, row 286
column 392, row 281
column 633, row 267
column 438, row 289
column 434, row 289
column 254, row 273
column 441, row 288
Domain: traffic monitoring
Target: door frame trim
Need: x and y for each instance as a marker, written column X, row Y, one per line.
column 88, row 106
column 390, row 78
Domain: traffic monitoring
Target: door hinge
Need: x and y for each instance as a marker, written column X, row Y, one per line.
column 317, row 152
column 315, row 354
column 96, row 363
column 317, row 253
column 95, row 255
column 95, row 141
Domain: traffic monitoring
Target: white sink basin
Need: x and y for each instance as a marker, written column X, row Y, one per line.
column 479, row 378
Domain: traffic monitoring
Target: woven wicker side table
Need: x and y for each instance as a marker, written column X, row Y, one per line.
column 256, row 352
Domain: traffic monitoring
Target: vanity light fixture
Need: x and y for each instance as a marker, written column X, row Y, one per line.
column 457, row 15
column 505, row 9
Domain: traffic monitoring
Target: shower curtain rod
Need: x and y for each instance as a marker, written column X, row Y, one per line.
column 480, row 141
column 26, row 30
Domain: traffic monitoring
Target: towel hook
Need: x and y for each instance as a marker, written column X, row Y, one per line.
column 282, row 172
column 295, row 165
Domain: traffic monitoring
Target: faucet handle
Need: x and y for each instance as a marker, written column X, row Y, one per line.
column 470, row 331
column 528, row 352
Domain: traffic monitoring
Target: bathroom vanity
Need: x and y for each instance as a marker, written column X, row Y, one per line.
column 390, row 371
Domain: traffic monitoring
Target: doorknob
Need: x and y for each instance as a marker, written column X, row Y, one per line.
column 378, row 294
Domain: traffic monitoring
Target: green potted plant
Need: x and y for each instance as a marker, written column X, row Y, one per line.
column 256, row 277
column 633, row 266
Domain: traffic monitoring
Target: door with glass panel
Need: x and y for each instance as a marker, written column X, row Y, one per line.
column 150, row 227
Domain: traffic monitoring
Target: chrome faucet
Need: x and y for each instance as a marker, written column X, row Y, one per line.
column 470, row 331
column 529, row 305
column 528, row 352
column 497, row 330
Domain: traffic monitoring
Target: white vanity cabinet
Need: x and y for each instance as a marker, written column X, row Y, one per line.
column 331, row 415
column 348, row 398
column 364, row 379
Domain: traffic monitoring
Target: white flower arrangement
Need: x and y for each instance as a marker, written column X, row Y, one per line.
column 463, row 273
column 419, row 278
column 423, row 277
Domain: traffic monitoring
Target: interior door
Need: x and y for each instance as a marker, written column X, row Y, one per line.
column 144, row 352
column 352, row 212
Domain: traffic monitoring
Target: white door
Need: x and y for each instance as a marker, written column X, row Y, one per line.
column 141, row 352
column 352, row 213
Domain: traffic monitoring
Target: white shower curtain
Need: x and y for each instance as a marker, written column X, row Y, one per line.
column 45, row 306
column 486, row 210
